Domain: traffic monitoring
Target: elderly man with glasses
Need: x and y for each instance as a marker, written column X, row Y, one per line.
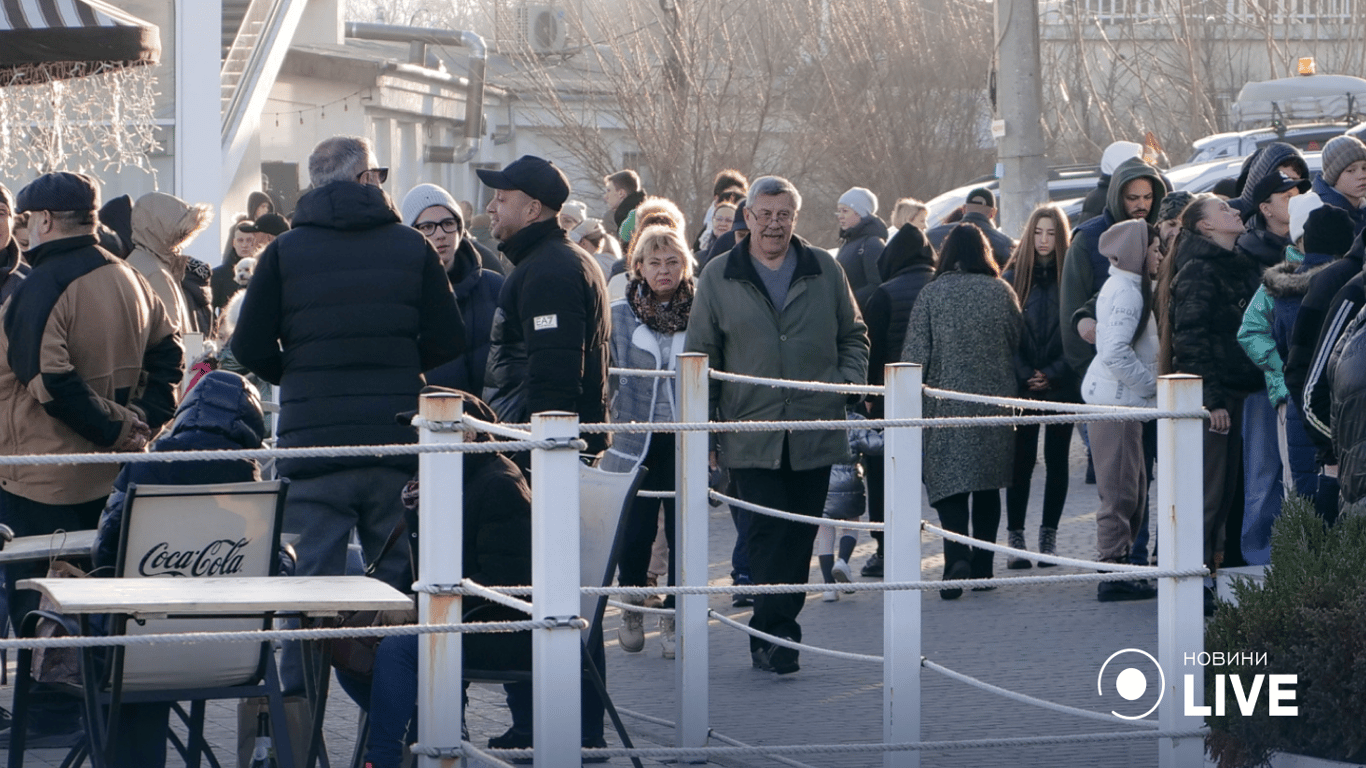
column 344, row 312
column 777, row 307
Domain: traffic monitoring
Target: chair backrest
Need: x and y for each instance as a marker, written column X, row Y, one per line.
column 605, row 498
column 199, row 531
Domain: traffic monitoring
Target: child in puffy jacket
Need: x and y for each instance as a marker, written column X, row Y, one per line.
column 846, row 500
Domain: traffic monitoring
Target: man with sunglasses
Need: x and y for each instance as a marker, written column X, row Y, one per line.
column 344, row 312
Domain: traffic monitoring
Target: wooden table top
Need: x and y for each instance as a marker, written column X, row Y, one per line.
column 315, row 595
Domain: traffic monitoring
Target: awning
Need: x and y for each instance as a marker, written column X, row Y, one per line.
column 69, row 38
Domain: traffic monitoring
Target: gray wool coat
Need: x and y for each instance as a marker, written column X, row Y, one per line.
column 963, row 330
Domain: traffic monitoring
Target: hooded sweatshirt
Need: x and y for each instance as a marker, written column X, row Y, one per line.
column 1085, row 269
column 162, row 225
column 1267, row 160
column 1124, row 371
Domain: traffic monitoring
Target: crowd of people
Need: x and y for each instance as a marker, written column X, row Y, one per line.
column 352, row 304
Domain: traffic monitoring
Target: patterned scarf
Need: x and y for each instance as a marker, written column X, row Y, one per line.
column 661, row 318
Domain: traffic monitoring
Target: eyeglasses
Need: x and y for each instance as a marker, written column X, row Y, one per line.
column 382, row 173
column 428, row 228
column 764, row 217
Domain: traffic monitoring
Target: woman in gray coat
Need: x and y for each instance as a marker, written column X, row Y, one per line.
column 964, row 330
column 648, row 328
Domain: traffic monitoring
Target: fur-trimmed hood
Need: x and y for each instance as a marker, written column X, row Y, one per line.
column 1285, row 280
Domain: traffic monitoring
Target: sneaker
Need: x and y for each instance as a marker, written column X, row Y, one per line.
column 631, row 634
column 666, row 636
column 783, row 660
column 843, row 574
column 957, row 571
column 740, row 599
column 1048, row 545
column 830, row 596
column 1121, row 591
column 873, row 568
column 1015, row 562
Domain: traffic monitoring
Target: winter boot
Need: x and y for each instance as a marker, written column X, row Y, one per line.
column 1015, row 562
column 631, row 634
column 666, row 636
column 1048, row 544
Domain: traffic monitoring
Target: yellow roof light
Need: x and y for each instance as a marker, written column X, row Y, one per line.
column 1307, row 66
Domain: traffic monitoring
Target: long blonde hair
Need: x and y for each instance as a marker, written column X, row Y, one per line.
column 1025, row 253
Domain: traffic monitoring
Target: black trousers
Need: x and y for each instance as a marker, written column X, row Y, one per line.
column 642, row 523
column 1057, row 439
column 985, row 516
column 875, row 472
column 780, row 550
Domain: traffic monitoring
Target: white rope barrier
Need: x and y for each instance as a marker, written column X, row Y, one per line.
column 732, row 623
column 816, row 425
column 809, row 386
column 1026, row 699
column 641, row 608
column 314, row 452
column 502, row 430
column 655, row 494
column 642, row 373
column 1144, row 571
column 1024, row 403
column 472, row 587
column 266, row 635
column 679, row 753
column 778, row 513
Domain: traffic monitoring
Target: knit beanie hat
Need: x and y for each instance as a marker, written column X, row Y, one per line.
column 575, row 209
column 1339, row 153
column 1126, row 245
column 860, row 201
column 1173, row 204
column 424, row 196
column 1117, row 153
column 1328, row 230
column 1300, row 208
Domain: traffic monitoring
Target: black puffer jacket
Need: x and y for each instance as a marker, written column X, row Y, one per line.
column 344, row 312
column 1261, row 245
column 1349, row 412
column 905, row 266
column 1209, row 293
column 1040, row 346
column 476, row 292
column 549, row 346
column 222, row 412
column 860, row 247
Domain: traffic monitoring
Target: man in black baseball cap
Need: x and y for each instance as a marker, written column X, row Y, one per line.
column 548, row 346
column 978, row 210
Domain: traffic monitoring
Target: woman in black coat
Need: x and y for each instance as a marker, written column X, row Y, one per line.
column 1043, row 374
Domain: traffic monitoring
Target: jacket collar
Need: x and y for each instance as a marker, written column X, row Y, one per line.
column 741, row 267
column 55, row 248
column 517, row 247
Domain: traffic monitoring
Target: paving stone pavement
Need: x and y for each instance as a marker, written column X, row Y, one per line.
column 1046, row 641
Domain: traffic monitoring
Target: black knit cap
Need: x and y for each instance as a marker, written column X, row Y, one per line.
column 60, row 191
column 1328, row 230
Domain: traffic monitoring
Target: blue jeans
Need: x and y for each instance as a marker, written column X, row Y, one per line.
column 1263, row 488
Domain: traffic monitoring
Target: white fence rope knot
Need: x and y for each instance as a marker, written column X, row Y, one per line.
column 780, row 514
column 808, row 386
column 793, row 644
column 1026, row 699
column 508, row 431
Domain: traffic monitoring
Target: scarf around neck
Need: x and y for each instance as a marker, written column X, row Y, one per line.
column 658, row 317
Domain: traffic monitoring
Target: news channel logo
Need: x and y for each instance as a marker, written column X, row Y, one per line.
column 1132, row 681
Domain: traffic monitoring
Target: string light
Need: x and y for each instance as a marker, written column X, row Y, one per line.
column 321, row 109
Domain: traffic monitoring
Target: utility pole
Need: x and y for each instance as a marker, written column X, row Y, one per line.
column 1024, row 175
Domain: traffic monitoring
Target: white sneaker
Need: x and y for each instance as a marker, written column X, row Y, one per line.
column 843, row 574
column 631, row 634
column 830, row 596
column 666, row 636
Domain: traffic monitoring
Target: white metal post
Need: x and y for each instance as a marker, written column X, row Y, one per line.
column 901, row 562
column 441, row 478
column 691, row 513
column 1180, row 538
column 198, row 104
column 555, row 662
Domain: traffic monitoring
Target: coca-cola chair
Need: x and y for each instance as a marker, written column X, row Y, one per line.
column 179, row 531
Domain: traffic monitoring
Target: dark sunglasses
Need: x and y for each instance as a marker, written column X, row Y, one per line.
column 428, row 228
column 383, row 174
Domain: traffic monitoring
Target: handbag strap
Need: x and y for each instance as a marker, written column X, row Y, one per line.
column 394, row 535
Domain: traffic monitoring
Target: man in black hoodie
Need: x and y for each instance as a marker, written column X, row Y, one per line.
column 623, row 192
column 344, row 312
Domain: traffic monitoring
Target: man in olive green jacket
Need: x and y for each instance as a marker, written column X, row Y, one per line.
column 776, row 307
